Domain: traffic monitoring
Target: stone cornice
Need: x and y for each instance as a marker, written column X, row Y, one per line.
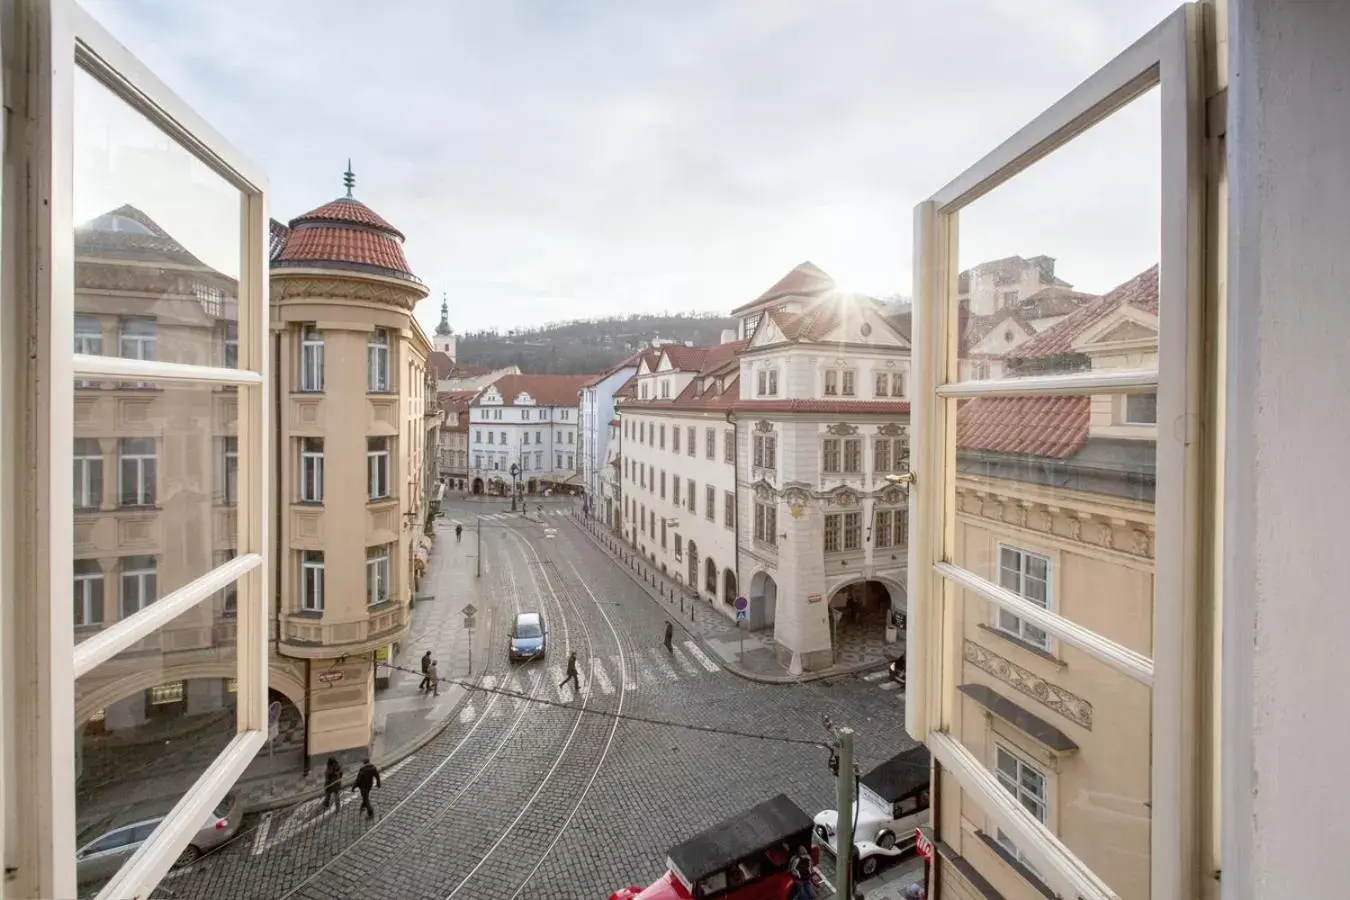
column 1113, row 532
column 319, row 286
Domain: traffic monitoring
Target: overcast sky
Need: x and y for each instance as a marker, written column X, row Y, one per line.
column 553, row 159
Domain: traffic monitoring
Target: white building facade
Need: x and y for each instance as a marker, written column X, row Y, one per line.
column 596, row 404
column 529, row 421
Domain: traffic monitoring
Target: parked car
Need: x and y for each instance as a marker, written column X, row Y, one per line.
column 528, row 639
column 746, row 857
column 105, row 854
column 892, row 804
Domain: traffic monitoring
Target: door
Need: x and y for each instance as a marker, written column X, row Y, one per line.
column 1054, row 545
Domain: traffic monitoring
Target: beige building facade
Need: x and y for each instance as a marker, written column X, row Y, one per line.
column 350, row 440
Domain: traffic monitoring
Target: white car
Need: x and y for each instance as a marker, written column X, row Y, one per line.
column 892, row 803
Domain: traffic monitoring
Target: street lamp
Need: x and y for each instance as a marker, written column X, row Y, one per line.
column 515, row 474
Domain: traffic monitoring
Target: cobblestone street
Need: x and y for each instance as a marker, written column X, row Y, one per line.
column 563, row 795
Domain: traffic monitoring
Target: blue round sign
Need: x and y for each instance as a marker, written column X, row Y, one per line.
column 742, row 603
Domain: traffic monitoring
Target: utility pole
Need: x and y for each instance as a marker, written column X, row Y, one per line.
column 843, row 838
column 478, row 560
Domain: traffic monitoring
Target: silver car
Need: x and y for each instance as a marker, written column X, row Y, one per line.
column 103, row 856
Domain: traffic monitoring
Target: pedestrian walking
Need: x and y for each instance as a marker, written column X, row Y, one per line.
column 801, row 874
column 425, row 684
column 459, row 533
column 670, row 633
column 434, row 679
column 367, row 777
column 571, row 672
column 332, row 784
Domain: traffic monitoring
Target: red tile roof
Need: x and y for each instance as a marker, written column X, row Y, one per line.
column 1140, row 292
column 684, row 359
column 1056, row 427
column 547, row 390
column 443, row 366
column 457, row 401
column 126, row 233
column 631, row 362
column 806, row 280
column 343, row 234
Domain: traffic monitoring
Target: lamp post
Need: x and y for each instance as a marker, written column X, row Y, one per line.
column 515, row 474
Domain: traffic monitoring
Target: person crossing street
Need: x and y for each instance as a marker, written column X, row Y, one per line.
column 367, row 777
column 670, row 633
column 425, row 684
column 571, row 673
column 459, row 532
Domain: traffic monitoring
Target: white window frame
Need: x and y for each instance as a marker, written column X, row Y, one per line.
column 379, row 484
column 64, row 40
column 1125, row 417
column 766, row 522
column 311, row 471
column 378, row 588
column 377, row 362
column 87, row 497
column 312, row 578
column 1013, row 783
column 311, row 359
column 88, row 341
column 140, row 582
column 144, row 473
column 1006, row 621
column 229, row 471
column 1168, row 57
column 91, row 606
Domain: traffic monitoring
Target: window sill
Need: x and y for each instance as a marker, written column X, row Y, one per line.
column 378, row 501
column 311, row 504
column 307, row 614
column 1017, row 865
column 386, row 393
column 137, row 508
column 382, row 606
column 1024, row 644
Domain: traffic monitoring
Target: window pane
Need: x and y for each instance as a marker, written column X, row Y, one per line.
column 162, row 518
column 1040, row 291
column 1056, row 504
column 157, row 240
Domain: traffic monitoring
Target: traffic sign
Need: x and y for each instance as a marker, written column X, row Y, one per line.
column 470, row 610
column 742, row 604
column 740, row 615
column 923, row 844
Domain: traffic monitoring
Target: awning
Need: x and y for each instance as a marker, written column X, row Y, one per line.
column 1024, row 720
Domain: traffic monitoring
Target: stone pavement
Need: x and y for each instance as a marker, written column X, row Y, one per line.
column 891, row 883
column 749, row 654
column 405, row 719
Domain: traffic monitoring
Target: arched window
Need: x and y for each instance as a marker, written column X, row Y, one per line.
column 728, row 587
column 710, row 578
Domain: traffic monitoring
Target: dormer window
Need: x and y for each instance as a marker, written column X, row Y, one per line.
column 1141, row 409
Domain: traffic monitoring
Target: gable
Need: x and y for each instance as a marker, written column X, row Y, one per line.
column 860, row 323
column 1124, row 325
column 767, row 333
column 1127, row 331
column 1003, row 337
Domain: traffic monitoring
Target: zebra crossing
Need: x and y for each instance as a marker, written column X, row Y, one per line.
column 507, row 515
column 599, row 676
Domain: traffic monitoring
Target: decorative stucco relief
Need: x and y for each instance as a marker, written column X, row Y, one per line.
column 344, row 289
column 1064, row 702
column 764, row 426
column 843, row 429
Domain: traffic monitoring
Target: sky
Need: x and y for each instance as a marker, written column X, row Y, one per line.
column 560, row 159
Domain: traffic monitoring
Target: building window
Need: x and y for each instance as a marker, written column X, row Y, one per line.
column 852, row 531
column 572, row 435
column 311, row 358
column 1141, row 409
column 831, row 382
column 729, row 447
column 890, row 528
column 675, row 491
column 539, row 459
column 1028, row 575
column 766, row 523
column 729, row 510
column 663, row 437
column 663, row 484
column 689, row 494
column 138, row 339
column 311, row 470
column 1009, row 297
column 538, row 437
column 136, row 471
column 88, row 473
column 773, row 383
column 840, row 382
column 710, row 443
column 853, row 455
column 229, row 470
column 832, row 529
column 478, row 460
column 557, row 460
column 477, row 436
column 492, row 437
column 1028, row 784
column 229, row 595
column 311, row 581
column 642, row 519
column 642, row 432
column 890, row 384
column 89, row 341
column 675, row 439
column 229, row 346
column 679, row 548
column 693, row 437
column 377, row 467
column 710, row 504
column 830, row 455
column 571, row 462
column 88, row 592
column 525, row 416
column 139, row 586
column 710, row 577
column 665, row 394
column 766, row 451
column 883, row 380
column 377, row 361
column 502, row 436
column 663, row 533
column 377, row 575
column 881, row 455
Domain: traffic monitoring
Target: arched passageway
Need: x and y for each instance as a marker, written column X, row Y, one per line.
column 859, row 612
column 710, row 576
column 478, row 485
column 763, row 601
column 729, row 587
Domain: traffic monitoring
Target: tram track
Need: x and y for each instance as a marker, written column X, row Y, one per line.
column 628, row 676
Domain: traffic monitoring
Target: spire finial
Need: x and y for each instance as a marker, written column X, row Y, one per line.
column 349, row 178
column 444, row 327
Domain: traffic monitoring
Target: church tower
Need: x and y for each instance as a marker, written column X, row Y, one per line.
column 444, row 340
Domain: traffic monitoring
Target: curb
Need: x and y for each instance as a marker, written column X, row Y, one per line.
column 734, row 669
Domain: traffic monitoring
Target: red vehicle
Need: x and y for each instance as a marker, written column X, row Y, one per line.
column 745, row 857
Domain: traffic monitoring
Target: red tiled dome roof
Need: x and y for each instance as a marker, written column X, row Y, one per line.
column 344, row 234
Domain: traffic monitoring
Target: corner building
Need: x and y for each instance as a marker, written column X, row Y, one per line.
column 350, row 442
